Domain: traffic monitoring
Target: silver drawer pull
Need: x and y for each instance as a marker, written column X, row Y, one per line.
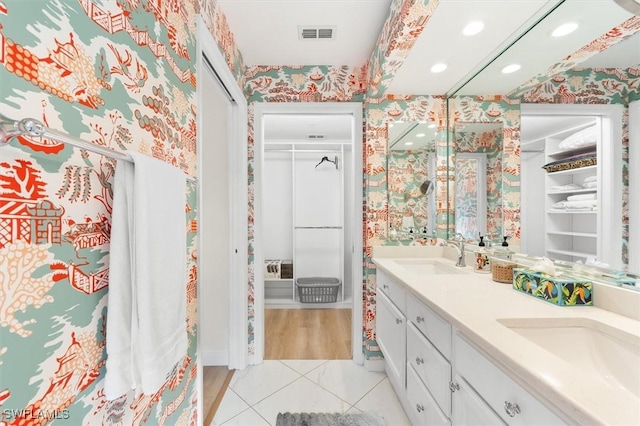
column 453, row 386
column 419, row 407
column 385, row 286
column 511, row 408
column 419, row 360
column 398, row 321
column 419, row 319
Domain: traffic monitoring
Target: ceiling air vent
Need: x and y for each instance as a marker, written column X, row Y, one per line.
column 315, row 136
column 316, row 33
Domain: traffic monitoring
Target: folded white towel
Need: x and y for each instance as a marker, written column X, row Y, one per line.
column 581, row 204
column 593, row 178
column 568, row 187
column 584, row 137
column 590, row 185
column 580, row 197
column 146, row 319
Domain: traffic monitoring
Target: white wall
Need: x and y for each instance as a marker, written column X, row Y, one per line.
column 277, row 205
column 214, row 226
column 347, row 163
column 532, row 193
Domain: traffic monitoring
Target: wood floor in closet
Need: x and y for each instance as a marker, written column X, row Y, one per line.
column 307, row 333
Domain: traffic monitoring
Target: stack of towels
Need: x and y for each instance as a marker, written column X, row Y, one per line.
column 590, row 182
column 578, row 202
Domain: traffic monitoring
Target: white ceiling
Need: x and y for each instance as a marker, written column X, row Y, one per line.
column 416, row 135
column 442, row 41
column 266, row 31
column 289, row 128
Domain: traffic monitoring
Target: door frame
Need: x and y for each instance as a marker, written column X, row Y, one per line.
column 207, row 48
column 355, row 110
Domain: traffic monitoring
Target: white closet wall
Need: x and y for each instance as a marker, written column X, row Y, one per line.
column 318, row 215
column 305, row 210
column 278, row 205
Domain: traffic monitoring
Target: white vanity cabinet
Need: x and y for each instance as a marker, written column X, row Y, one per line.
column 441, row 378
column 481, row 387
column 391, row 329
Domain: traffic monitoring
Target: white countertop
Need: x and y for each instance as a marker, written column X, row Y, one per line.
column 473, row 303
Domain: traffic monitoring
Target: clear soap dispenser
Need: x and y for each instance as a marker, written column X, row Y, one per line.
column 482, row 258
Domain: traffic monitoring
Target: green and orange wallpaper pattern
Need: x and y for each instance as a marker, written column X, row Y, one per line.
column 121, row 75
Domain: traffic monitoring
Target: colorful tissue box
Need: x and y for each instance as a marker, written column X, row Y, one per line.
column 556, row 290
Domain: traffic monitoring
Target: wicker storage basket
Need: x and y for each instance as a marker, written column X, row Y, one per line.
column 502, row 270
column 318, row 289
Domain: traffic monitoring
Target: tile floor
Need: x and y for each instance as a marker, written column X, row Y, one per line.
column 257, row 394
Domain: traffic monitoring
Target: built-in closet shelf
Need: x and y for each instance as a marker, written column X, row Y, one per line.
column 278, row 279
column 573, row 171
column 572, row 211
column 574, row 191
column 574, row 234
column 575, row 151
column 571, row 253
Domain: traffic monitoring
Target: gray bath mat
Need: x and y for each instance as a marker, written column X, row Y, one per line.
column 329, row 419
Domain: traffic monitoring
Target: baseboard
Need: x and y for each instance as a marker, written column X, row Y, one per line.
column 374, row 365
column 215, row 358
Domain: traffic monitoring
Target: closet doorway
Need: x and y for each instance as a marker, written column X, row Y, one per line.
column 308, row 183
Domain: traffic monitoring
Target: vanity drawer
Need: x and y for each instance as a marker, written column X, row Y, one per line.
column 422, row 409
column 437, row 330
column 432, row 368
column 394, row 290
column 498, row 390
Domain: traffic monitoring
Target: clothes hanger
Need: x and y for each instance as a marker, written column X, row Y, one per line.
column 325, row 158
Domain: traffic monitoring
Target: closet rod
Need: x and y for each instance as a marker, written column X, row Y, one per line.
column 318, row 227
column 301, row 150
column 10, row 128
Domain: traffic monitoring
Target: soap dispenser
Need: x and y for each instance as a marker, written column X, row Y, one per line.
column 482, row 258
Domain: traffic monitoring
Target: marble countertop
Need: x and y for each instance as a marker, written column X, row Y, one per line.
column 473, row 303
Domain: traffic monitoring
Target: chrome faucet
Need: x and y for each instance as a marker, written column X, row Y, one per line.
column 458, row 243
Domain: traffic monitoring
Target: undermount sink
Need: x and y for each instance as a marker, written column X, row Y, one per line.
column 428, row 266
column 594, row 347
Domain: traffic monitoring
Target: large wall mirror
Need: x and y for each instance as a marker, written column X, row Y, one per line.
column 478, row 179
column 592, row 65
column 411, row 177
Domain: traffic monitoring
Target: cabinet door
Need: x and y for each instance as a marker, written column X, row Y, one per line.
column 432, row 368
column 422, row 409
column 469, row 408
column 391, row 337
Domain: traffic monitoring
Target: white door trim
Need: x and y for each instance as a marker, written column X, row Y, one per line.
column 238, row 202
column 355, row 110
column 633, row 123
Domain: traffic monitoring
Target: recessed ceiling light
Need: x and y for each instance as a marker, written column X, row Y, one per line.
column 432, row 126
column 564, row 29
column 510, row 68
column 408, row 143
column 439, row 67
column 473, row 28
column 420, row 135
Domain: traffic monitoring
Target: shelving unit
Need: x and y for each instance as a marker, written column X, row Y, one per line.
column 304, row 217
column 578, row 234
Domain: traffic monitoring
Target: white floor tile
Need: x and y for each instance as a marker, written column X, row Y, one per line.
column 345, row 379
column 303, row 366
column 302, row 396
column 230, row 406
column 247, row 418
column 382, row 400
column 259, row 381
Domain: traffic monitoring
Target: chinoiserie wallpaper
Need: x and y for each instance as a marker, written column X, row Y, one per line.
column 119, row 74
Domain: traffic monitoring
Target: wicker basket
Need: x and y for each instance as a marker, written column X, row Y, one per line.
column 502, row 270
column 318, row 289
